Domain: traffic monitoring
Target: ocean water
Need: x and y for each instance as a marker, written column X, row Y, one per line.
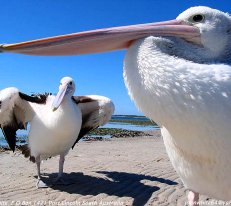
column 130, row 117
column 22, row 134
column 127, row 126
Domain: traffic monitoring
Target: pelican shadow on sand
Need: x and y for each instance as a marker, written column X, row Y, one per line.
column 120, row 184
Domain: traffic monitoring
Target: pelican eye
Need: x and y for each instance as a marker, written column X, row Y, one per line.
column 70, row 83
column 197, row 18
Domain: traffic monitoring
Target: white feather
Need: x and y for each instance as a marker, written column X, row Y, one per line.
column 190, row 100
column 54, row 133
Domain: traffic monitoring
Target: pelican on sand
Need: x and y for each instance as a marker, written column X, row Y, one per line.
column 178, row 73
column 57, row 123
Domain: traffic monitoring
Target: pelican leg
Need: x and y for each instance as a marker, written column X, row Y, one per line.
column 193, row 198
column 40, row 183
column 59, row 179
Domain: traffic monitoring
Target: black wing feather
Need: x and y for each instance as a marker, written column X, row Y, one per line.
column 9, row 132
column 10, row 136
column 84, row 130
column 96, row 111
column 35, row 98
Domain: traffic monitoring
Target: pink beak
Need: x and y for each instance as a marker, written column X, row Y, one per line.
column 102, row 40
column 59, row 97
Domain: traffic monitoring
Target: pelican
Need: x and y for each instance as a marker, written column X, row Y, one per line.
column 57, row 123
column 178, row 73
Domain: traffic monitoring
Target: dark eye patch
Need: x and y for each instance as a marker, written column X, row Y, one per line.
column 198, row 18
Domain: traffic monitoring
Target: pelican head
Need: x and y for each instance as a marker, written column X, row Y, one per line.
column 214, row 27
column 66, row 90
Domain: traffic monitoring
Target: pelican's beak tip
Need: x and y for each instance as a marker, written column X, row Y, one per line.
column 54, row 109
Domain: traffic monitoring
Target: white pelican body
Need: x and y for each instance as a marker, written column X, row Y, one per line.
column 57, row 123
column 181, row 80
column 191, row 102
column 53, row 133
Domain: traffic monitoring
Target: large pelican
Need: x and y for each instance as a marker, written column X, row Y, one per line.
column 57, row 123
column 178, row 73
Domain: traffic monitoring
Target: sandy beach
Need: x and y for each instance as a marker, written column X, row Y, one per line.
column 119, row 171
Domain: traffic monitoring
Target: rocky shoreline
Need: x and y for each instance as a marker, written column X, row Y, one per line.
column 117, row 133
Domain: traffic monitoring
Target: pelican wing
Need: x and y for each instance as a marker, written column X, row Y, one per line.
column 12, row 117
column 16, row 120
column 96, row 111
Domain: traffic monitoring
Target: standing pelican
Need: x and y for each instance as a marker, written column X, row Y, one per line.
column 56, row 122
column 178, row 73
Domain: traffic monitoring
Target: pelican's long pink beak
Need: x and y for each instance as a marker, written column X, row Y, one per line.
column 102, row 40
column 59, row 97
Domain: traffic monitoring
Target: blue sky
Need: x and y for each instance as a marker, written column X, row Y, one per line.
column 94, row 74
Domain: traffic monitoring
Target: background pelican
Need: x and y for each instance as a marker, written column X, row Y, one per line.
column 57, row 123
column 182, row 81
